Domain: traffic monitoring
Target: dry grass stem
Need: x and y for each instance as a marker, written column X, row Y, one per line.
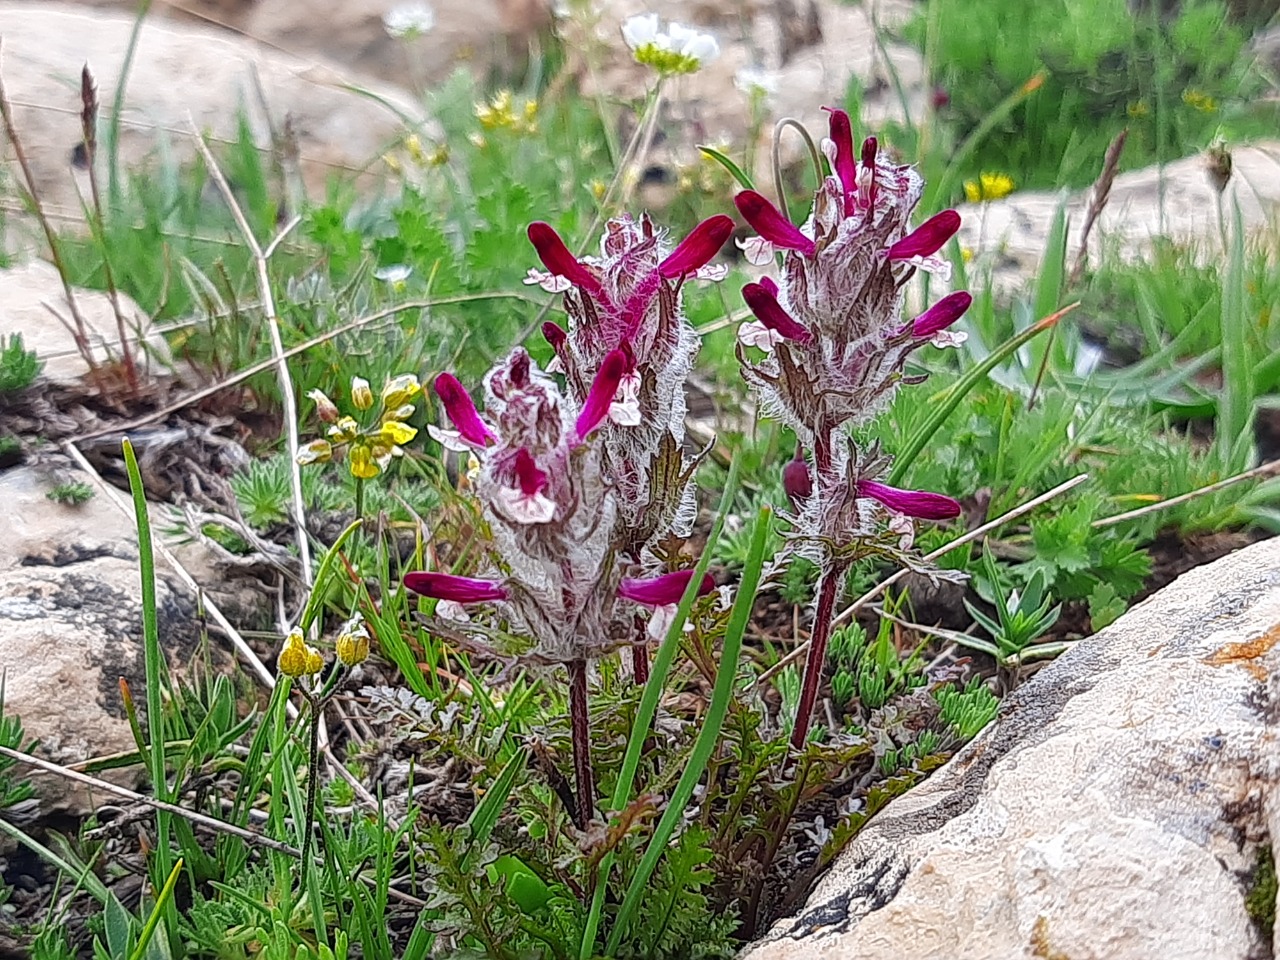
column 1262, row 470
column 1098, row 198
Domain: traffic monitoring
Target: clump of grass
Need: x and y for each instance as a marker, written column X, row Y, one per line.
column 19, row 366
column 71, row 493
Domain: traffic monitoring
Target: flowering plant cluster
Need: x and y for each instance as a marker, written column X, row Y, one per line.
column 368, row 446
column 675, row 50
column 835, row 348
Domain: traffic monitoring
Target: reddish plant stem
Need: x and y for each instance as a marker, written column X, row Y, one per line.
column 584, row 779
column 640, row 663
column 828, row 591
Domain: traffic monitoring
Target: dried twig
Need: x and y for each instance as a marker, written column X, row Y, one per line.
column 875, row 591
column 1262, row 470
column 1098, row 198
column 267, row 298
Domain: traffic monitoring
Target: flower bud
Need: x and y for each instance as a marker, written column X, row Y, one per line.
column 296, row 658
column 326, row 409
column 352, row 646
column 361, row 395
column 398, row 391
column 796, row 481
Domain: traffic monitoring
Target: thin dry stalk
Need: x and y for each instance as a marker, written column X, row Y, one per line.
column 106, row 786
column 79, row 330
column 89, row 129
column 1098, row 198
column 1262, row 470
column 875, row 591
column 267, row 298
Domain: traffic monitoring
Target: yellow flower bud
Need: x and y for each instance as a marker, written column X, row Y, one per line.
column 352, row 646
column 315, row 662
column 361, row 395
column 344, row 431
column 295, row 656
column 317, row 451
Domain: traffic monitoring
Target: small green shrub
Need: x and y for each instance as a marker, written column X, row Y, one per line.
column 19, row 366
column 73, row 493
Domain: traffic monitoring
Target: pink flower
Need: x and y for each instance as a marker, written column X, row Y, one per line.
column 928, row 238
column 941, row 315
column 526, row 503
column 912, row 503
column 844, row 164
column 697, row 249
column 663, row 590
column 768, row 311
column 603, row 391
column 768, row 221
column 446, row 586
column 460, row 409
column 556, row 257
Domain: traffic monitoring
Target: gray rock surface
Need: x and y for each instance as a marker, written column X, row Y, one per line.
column 181, row 71
column 71, row 623
column 1008, row 237
column 31, row 300
column 1114, row 811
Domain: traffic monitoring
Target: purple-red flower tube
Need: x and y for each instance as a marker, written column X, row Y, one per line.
column 555, row 256
column 462, row 411
column 446, row 586
column 928, row 238
column 913, row 503
column 764, row 304
column 603, row 389
column 696, row 250
column 941, row 315
column 664, row 590
column 768, row 221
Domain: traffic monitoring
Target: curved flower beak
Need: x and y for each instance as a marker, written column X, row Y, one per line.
column 460, row 409
column 867, row 183
column 555, row 256
column 603, row 390
column 941, row 315
column 664, row 590
column 697, row 249
column 446, row 586
column 928, row 238
column 764, row 304
column 912, row 503
column 768, row 221
column 845, row 168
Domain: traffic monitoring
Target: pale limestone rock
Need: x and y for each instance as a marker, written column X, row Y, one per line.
column 1112, row 811
column 1009, row 236
column 27, row 294
column 182, row 71
column 71, row 623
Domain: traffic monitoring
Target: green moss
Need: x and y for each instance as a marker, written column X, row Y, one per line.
column 1260, row 900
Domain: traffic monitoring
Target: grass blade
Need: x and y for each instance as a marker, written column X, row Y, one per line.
column 485, row 816
column 711, row 724
column 950, row 398
column 649, row 706
column 735, row 171
column 1235, row 408
column 166, row 895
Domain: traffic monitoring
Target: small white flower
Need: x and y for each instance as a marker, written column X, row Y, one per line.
column 409, row 20
column 396, row 273
column 526, row 508
column 640, row 30
column 550, row 282
column 757, row 251
column 625, row 409
column 753, row 333
column 687, row 42
column 759, row 82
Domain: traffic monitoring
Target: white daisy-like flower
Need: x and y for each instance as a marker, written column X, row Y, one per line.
column 409, row 20
column 678, row 49
column 641, row 30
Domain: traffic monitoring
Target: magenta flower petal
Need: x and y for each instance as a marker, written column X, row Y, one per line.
column 770, row 286
column 769, row 312
column 531, row 479
column 462, row 411
column 846, row 169
column 769, row 222
column 446, row 586
column 941, row 315
column 913, row 503
column 869, row 147
column 664, row 590
column 554, row 334
column 928, row 238
column 603, row 389
column 796, row 481
column 697, row 249
column 555, row 256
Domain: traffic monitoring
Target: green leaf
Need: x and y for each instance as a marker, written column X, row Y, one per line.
column 734, row 170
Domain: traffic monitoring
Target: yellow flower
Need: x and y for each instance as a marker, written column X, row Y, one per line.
column 966, row 254
column 361, row 395
column 344, row 431
column 1199, row 100
column 988, row 186
column 1138, row 109
column 598, row 189
column 352, row 646
column 393, row 433
column 400, row 390
column 414, row 146
column 317, row 451
column 360, row 462
column 500, row 114
column 297, row 658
